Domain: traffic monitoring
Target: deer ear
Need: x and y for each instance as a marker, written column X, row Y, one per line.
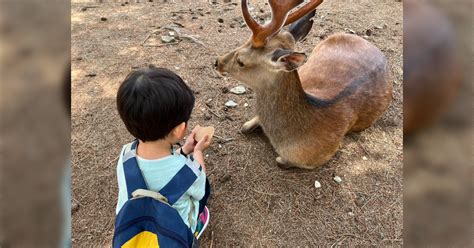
column 288, row 60
column 301, row 28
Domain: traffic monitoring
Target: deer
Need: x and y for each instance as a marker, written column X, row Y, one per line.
column 306, row 105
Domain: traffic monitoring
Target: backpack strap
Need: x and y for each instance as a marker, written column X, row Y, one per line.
column 133, row 176
column 176, row 187
column 181, row 182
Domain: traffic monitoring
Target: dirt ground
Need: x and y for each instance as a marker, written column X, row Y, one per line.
column 254, row 203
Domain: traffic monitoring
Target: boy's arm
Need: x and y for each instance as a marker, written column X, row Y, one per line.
column 202, row 145
column 199, row 156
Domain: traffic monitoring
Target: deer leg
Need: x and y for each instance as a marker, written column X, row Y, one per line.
column 283, row 164
column 251, row 125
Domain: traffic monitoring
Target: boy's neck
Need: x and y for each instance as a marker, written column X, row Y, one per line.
column 154, row 149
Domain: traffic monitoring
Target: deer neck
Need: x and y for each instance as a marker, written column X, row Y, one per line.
column 283, row 100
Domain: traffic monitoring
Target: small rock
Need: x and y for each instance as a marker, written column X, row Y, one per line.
column 337, row 179
column 103, row 19
column 231, row 104
column 213, row 1
column 91, row 75
column 243, row 24
column 246, row 104
column 360, row 200
column 74, row 206
column 177, row 67
column 364, row 158
column 122, row 4
column 351, row 31
column 239, row 90
column 351, row 214
column 225, row 178
column 84, row 8
column 224, row 90
column 227, row 1
column 167, row 39
column 206, row 116
column 194, row 17
column 232, row 25
column 171, row 33
column 220, row 20
column 365, row 37
column 207, row 155
column 368, row 32
column 317, row 184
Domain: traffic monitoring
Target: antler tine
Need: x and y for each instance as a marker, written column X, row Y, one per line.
column 280, row 9
column 302, row 11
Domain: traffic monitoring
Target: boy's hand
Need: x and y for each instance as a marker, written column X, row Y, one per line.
column 190, row 143
column 203, row 144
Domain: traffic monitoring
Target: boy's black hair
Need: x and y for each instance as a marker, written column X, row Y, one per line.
column 151, row 102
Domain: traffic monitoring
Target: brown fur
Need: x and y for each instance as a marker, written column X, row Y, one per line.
column 347, row 78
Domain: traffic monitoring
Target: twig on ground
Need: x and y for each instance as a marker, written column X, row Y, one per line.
column 212, row 112
column 179, row 35
column 175, row 28
column 212, row 239
column 164, row 44
column 224, row 139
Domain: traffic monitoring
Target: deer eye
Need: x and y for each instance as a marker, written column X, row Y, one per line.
column 240, row 62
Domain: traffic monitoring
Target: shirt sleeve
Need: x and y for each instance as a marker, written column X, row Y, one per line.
column 122, row 185
column 198, row 188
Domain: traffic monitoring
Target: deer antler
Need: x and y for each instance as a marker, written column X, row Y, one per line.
column 280, row 9
column 313, row 4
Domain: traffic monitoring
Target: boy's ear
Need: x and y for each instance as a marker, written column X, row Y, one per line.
column 180, row 130
column 288, row 60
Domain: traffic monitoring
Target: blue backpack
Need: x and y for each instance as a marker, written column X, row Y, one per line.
column 147, row 218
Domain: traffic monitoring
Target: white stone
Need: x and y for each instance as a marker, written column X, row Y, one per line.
column 246, row 104
column 364, row 158
column 167, row 39
column 239, row 90
column 231, row 104
column 317, row 184
column 337, row 179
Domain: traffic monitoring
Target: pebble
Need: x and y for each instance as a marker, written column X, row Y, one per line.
column 337, row 179
column 167, row 39
column 231, row 104
column 239, row 90
column 364, row 158
column 103, row 19
column 317, row 184
column 246, row 104
column 220, row 20
column 360, row 200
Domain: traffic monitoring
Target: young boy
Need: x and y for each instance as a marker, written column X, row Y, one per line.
column 155, row 105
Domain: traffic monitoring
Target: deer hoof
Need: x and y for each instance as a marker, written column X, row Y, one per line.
column 283, row 164
column 248, row 127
